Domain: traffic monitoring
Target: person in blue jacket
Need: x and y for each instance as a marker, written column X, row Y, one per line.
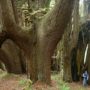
column 85, row 78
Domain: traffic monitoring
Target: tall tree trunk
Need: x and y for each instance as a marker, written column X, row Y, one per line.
column 69, row 42
column 49, row 36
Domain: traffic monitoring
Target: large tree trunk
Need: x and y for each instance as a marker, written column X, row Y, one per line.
column 49, row 36
column 69, row 44
column 24, row 39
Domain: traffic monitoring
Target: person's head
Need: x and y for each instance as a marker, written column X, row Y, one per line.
column 86, row 72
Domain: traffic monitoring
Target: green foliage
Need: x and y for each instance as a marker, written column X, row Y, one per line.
column 64, row 87
column 2, row 73
column 26, row 83
column 60, row 83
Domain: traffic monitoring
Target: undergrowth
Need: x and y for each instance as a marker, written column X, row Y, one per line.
column 26, row 83
column 60, row 83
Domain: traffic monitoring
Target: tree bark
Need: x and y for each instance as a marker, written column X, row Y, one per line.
column 4, row 58
column 24, row 39
column 13, row 53
column 49, row 36
column 69, row 42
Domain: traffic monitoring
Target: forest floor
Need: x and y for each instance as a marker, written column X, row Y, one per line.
column 19, row 82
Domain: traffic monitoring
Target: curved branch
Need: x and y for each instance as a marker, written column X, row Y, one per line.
column 14, row 32
column 50, row 33
column 55, row 22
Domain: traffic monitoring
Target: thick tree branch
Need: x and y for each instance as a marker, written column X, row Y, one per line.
column 23, row 38
column 50, row 33
column 13, row 31
column 53, row 26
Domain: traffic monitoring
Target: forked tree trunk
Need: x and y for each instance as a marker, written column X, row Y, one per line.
column 24, row 39
column 47, row 36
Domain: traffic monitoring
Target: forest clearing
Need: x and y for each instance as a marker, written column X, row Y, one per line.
column 44, row 44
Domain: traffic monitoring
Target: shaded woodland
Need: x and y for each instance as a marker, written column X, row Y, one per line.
column 39, row 37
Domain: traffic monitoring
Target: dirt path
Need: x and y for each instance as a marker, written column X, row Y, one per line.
column 12, row 82
column 78, row 86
